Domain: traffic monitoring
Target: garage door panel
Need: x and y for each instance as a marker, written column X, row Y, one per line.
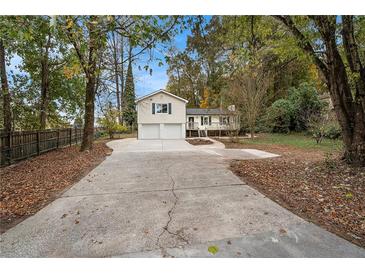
column 150, row 131
column 172, row 131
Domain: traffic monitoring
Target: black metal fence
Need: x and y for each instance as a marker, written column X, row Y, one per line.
column 19, row 145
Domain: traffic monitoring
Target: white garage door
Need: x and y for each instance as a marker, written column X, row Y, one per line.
column 166, row 131
column 171, row 131
column 150, row 131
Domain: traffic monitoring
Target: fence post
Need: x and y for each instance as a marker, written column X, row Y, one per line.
column 70, row 136
column 38, row 143
column 58, row 137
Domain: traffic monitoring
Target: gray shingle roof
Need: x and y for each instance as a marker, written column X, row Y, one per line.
column 206, row 111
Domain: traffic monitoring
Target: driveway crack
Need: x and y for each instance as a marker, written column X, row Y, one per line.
column 170, row 214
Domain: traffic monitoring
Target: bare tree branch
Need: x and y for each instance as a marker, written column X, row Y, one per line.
column 306, row 45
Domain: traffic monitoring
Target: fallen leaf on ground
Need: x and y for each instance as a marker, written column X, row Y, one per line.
column 213, row 249
column 302, row 181
column 28, row 186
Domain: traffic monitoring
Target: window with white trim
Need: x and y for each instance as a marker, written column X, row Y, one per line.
column 161, row 108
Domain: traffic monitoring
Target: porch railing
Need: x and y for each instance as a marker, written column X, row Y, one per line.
column 211, row 126
column 192, row 125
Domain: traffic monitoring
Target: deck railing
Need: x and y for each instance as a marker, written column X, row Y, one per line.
column 192, row 126
column 211, row 126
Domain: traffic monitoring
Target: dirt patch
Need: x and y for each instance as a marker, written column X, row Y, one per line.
column 312, row 184
column 199, row 142
column 30, row 185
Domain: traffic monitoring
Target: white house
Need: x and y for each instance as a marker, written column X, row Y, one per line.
column 161, row 115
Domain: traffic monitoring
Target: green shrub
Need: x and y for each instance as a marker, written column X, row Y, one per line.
column 332, row 131
column 101, row 134
column 306, row 103
column 262, row 126
column 120, row 129
column 296, row 112
column 279, row 116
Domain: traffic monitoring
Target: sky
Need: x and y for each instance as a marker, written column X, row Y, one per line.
column 146, row 83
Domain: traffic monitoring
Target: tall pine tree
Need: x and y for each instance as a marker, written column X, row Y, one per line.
column 129, row 105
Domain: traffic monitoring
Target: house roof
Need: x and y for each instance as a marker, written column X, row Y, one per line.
column 207, row 111
column 161, row 91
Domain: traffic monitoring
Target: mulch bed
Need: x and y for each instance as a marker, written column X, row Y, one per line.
column 318, row 187
column 199, row 142
column 28, row 186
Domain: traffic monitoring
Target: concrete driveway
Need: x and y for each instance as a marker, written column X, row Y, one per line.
column 168, row 198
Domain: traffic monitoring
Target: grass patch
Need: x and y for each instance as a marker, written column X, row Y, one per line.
column 296, row 140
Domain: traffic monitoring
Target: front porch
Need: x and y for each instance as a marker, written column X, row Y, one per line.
column 202, row 122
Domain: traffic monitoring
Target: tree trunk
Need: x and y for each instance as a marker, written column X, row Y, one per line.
column 351, row 118
column 121, row 75
column 88, row 135
column 91, row 79
column 44, row 93
column 45, row 85
column 350, row 113
column 355, row 150
column 5, row 90
column 116, row 72
column 252, row 130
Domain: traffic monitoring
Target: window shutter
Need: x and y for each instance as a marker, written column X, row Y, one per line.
column 169, row 108
column 153, row 108
column 210, row 120
column 201, row 120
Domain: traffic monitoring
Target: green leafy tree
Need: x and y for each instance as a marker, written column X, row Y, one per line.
column 110, row 122
column 344, row 74
column 45, row 53
column 5, row 92
column 7, row 48
column 87, row 34
column 220, row 46
column 43, row 94
column 185, row 77
column 129, row 105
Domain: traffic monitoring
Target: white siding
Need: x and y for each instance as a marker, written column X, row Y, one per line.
column 169, row 126
column 144, row 110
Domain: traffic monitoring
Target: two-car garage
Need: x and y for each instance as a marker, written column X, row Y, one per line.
column 161, row 115
column 161, row 131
